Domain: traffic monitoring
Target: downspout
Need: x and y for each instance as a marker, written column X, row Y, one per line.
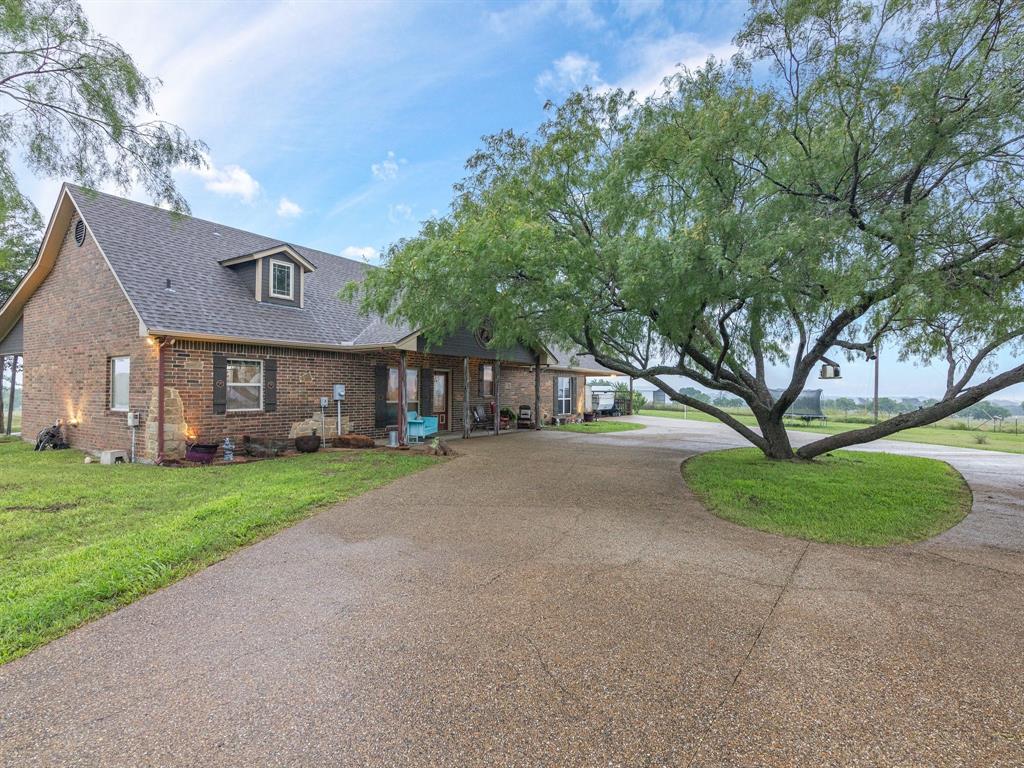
column 160, row 401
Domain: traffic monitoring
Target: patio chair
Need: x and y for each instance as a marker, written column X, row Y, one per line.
column 481, row 419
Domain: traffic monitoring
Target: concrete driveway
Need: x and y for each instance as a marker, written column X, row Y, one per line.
column 550, row 599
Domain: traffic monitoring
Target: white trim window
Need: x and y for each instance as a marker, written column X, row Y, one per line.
column 487, row 380
column 412, row 388
column 120, row 382
column 244, row 385
column 282, row 279
column 563, row 396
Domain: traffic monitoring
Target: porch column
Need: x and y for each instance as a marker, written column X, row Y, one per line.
column 536, row 394
column 10, row 401
column 629, row 405
column 497, row 397
column 403, row 398
column 465, row 398
column 3, row 367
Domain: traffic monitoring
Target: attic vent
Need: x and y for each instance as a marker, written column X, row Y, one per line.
column 79, row 232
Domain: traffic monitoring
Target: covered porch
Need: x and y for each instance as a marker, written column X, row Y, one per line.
column 457, row 404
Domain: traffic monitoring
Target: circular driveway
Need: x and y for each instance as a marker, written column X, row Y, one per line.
column 554, row 599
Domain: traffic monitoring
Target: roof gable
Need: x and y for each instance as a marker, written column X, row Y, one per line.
column 302, row 261
column 172, row 268
column 64, row 212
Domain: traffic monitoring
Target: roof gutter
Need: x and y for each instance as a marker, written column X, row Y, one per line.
column 285, row 343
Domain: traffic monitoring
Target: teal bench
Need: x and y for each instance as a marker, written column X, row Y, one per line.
column 420, row 427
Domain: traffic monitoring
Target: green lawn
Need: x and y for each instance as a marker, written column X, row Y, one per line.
column 850, row 497
column 933, row 435
column 79, row 540
column 594, row 427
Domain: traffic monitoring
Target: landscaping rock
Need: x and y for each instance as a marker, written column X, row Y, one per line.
column 441, row 448
column 352, row 441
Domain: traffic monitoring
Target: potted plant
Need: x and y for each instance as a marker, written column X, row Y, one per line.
column 307, row 443
column 201, row 453
column 507, row 417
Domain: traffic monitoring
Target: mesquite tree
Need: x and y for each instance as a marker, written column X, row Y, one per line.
column 854, row 174
column 73, row 104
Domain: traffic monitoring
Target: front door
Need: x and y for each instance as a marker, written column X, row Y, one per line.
column 440, row 406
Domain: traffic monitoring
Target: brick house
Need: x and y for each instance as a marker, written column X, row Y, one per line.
column 207, row 332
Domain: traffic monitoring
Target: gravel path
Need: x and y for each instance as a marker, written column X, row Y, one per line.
column 553, row 599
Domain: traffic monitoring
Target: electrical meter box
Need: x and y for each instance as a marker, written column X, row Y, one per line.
column 133, row 419
column 324, row 402
column 339, row 391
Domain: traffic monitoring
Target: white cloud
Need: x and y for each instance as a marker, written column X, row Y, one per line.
column 399, row 212
column 515, row 19
column 582, row 12
column 363, row 253
column 229, row 180
column 635, row 9
column 569, row 73
column 648, row 61
column 388, row 168
column 288, row 209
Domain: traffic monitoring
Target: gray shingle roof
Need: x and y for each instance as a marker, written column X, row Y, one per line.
column 146, row 246
column 577, row 361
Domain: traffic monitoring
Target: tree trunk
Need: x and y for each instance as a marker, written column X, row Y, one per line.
column 776, row 438
column 918, row 418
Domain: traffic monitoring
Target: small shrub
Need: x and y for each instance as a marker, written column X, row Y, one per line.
column 981, row 439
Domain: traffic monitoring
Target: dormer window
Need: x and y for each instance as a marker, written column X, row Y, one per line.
column 282, row 279
column 274, row 275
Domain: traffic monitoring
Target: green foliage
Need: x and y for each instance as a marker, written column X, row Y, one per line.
column 76, row 106
column 984, row 410
column 869, row 187
column 639, row 401
column 856, row 498
column 80, row 540
column 19, row 232
column 846, row 404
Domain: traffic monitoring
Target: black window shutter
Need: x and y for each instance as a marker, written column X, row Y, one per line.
column 554, row 390
column 572, row 394
column 380, row 397
column 270, row 385
column 220, row 388
column 426, row 391
column 480, row 379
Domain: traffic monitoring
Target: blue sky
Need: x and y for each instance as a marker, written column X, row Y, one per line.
column 342, row 125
